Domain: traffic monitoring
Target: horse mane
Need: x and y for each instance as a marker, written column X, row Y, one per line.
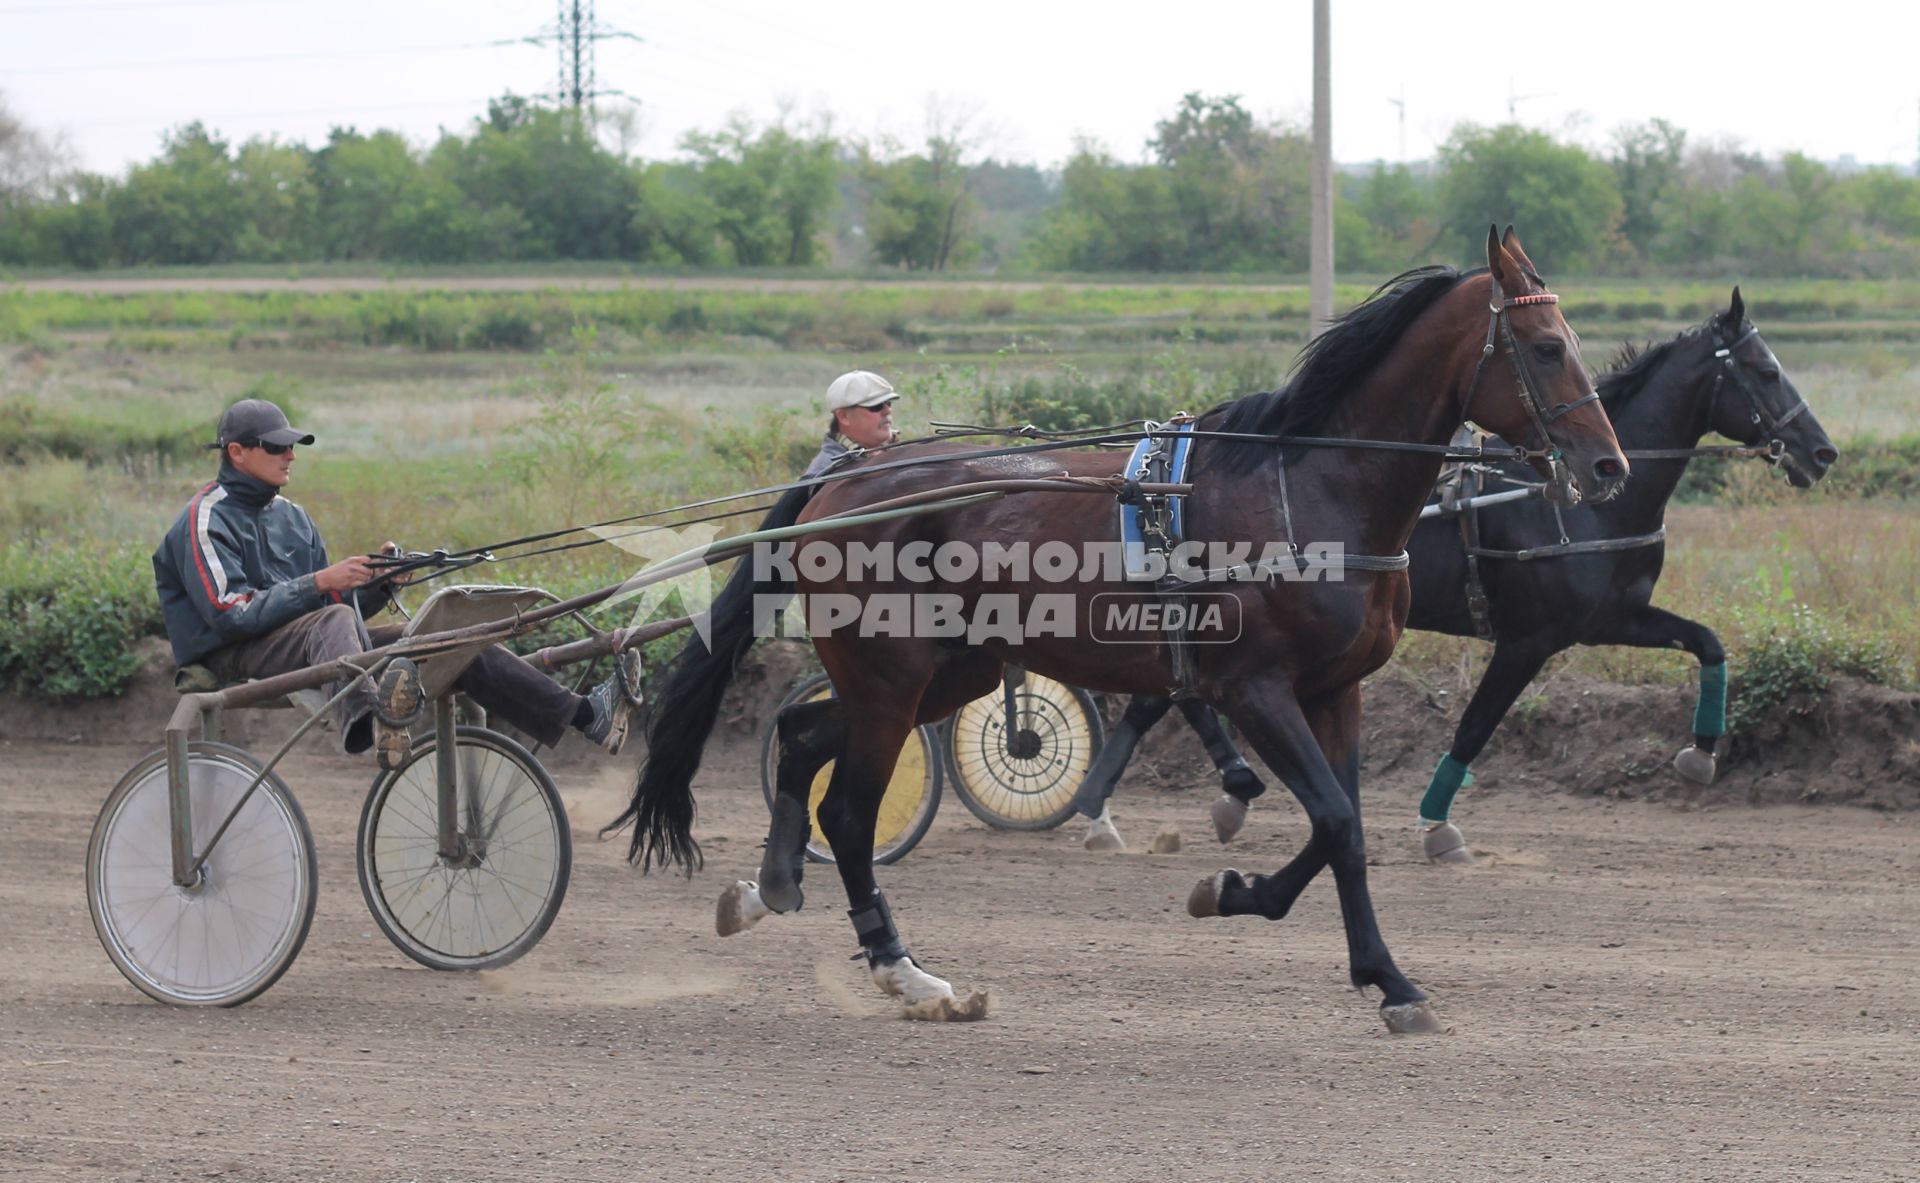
column 1634, row 365
column 1327, row 369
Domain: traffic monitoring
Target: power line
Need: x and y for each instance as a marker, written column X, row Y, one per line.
column 251, row 59
column 242, row 116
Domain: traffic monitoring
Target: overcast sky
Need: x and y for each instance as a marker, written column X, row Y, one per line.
column 1841, row 78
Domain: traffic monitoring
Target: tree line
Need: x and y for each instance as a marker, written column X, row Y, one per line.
column 1216, row 190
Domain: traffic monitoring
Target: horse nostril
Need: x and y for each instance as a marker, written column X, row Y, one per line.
column 1825, row 457
column 1608, row 469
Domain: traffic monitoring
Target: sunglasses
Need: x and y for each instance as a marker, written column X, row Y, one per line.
column 269, row 449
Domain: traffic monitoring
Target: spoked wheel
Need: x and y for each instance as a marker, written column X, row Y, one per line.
column 231, row 934
column 1024, row 776
column 491, row 899
column 912, row 798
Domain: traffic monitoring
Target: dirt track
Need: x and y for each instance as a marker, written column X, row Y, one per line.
column 1638, row 993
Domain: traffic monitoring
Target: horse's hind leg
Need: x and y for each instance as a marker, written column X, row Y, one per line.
column 1318, row 757
column 849, row 811
column 811, row 733
column 1238, row 783
column 1648, row 627
column 1143, row 711
column 1514, row 665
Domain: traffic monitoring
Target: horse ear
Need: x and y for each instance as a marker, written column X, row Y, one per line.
column 1737, row 311
column 1511, row 241
column 1501, row 265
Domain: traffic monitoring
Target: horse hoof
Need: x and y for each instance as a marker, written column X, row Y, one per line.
column 1445, row 845
column 1696, row 765
column 1229, row 814
column 782, row 894
column 1413, row 1018
column 948, row 1010
column 1102, row 836
column 739, row 909
column 925, row 997
column 1204, row 900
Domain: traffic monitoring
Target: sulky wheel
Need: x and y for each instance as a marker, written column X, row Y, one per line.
column 912, row 798
column 489, row 900
column 230, row 934
column 1019, row 769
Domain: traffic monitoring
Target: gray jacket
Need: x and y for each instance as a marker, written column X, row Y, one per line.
column 832, row 450
column 238, row 563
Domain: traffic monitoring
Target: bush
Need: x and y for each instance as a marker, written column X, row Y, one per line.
column 69, row 619
column 1868, row 468
column 1788, row 663
column 507, row 328
column 30, row 431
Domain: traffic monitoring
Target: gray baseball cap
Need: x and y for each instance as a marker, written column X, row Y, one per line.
column 258, row 419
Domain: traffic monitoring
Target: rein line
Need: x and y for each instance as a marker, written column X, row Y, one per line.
column 452, row 560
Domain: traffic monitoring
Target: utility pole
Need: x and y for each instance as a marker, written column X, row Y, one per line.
column 575, row 33
column 1320, row 244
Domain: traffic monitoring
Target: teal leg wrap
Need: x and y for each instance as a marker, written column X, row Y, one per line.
column 1449, row 776
column 1710, row 715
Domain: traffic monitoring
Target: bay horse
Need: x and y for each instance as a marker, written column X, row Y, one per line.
column 1402, row 370
column 1717, row 377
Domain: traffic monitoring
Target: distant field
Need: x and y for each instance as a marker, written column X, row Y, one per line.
column 454, row 410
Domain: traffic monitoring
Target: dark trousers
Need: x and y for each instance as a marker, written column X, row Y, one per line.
column 497, row 681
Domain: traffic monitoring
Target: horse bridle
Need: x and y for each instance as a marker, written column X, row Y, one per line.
column 1728, row 372
column 1500, row 327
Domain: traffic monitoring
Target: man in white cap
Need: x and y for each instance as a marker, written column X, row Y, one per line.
column 861, row 404
column 247, row 591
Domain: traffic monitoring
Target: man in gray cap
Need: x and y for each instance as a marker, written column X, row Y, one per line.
column 247, row 591
column 861, row 404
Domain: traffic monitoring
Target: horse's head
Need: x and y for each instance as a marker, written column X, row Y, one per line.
column 1557, row 410
column 1754, row 401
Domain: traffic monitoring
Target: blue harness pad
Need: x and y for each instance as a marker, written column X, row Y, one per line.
column 1133, row 543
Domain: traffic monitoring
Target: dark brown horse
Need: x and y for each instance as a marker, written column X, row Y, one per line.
column 1404, row 368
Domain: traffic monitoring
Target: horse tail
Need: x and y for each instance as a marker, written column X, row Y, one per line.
column 661, row 811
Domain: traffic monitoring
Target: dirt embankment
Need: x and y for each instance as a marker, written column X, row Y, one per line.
column 1858, row 744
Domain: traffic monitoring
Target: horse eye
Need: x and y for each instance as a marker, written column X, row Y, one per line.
column 1548, row 351
column 1770, row 373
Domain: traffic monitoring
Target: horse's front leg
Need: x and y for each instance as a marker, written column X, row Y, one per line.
column 848, row 816
column 1319, row 759
column 1647, row 627
column 1515, row 664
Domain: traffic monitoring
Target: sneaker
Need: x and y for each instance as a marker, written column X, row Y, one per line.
column 397, row 702
column 612, row 702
